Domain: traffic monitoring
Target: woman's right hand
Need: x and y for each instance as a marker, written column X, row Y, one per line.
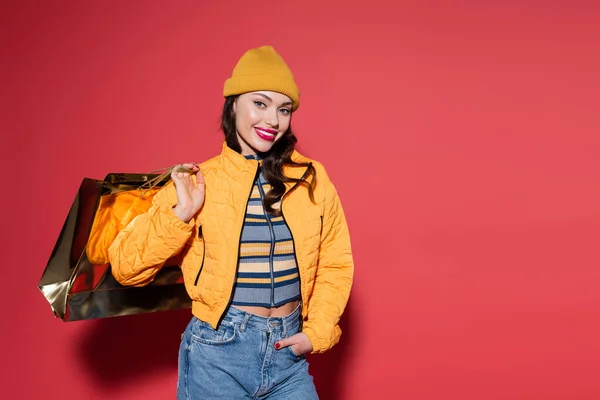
column 190, row 194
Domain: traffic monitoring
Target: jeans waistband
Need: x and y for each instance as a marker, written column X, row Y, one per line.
column 290, row 322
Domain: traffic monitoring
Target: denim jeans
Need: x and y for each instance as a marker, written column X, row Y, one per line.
column 239, row 360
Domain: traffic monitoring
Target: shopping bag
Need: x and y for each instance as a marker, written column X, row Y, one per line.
column 77, row 280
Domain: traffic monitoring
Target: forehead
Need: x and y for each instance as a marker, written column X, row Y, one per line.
column 275, row 97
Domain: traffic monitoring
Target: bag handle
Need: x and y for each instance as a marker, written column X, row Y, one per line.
column 165, row 175
column 151, row 183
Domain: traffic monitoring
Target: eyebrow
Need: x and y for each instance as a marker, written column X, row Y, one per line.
column 287, row 103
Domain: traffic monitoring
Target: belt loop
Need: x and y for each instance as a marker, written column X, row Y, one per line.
column 245, row 322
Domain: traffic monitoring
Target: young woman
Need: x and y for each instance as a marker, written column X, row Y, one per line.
column 262, row 240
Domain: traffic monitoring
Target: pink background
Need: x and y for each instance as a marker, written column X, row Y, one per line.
column 462, row 137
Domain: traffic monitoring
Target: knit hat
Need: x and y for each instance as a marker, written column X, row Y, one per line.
column 262, row 68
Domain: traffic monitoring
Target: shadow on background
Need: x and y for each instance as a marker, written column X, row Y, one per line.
column 328, row 368
column 118, row 351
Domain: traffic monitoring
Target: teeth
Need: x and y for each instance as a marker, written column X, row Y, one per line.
column 266, row 133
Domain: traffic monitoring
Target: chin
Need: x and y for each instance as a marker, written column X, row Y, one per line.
column 262, row 146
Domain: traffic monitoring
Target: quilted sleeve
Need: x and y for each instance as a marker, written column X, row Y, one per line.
column 142, row 248
column 334, row 275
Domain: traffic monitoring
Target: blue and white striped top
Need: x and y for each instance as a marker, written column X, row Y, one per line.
column 267, row 272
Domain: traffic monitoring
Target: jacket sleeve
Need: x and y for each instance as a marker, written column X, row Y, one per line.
column 334, row 275
column 141, row 249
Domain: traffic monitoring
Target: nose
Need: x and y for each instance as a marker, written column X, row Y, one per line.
column 271, row 118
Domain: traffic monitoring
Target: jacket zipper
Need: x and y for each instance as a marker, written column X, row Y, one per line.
column 239, row 249
column 271, row 267
column 201, row 265
column 292, row 235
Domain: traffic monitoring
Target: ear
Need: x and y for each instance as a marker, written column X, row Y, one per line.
column 235, row 106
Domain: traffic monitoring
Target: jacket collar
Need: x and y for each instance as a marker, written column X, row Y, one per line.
column 250, row 164
column 239, row 161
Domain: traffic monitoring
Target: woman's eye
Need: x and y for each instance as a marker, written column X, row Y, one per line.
column 259, row 104
column 285, row 111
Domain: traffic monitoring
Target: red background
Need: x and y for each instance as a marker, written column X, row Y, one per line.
column 462, row 137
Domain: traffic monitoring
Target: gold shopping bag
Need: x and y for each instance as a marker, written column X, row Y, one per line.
column 77, row 281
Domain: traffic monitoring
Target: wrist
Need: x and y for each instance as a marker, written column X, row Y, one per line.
column 181, row 214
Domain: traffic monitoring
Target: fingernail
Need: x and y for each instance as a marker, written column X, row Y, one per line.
column 277, row 346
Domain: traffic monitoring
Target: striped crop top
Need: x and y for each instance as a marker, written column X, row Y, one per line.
column 267, row 272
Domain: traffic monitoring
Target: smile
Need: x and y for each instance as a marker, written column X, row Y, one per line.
column 266, row 134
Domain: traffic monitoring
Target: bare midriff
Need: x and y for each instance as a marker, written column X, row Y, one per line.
column 280, row 311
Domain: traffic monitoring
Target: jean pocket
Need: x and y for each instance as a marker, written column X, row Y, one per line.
column 294, row 353
column 203, row 332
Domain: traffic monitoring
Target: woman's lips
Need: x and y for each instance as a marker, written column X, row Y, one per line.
column 266, row 134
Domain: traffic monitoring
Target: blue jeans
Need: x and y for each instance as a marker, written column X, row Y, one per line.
column 239, row 360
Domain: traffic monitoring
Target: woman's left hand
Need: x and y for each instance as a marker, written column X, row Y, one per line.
column 300, row 343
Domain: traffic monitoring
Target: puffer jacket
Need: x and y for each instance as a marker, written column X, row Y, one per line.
column 207, row 247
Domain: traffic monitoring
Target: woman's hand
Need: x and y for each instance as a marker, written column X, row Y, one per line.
column 190, row 194
column 299, row 343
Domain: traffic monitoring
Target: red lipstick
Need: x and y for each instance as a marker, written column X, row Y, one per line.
column 266, row 134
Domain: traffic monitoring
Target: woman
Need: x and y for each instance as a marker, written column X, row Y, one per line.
column 263, row 244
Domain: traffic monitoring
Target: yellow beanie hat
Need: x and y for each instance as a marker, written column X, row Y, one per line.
column 262, row 68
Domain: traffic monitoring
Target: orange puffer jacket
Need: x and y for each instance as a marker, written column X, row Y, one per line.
column 207, row 247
